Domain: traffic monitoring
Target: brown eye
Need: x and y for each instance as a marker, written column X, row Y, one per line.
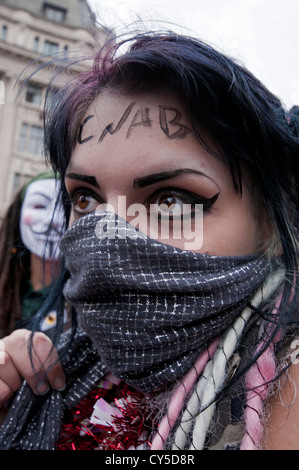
column 82, row 201
column 167, row 202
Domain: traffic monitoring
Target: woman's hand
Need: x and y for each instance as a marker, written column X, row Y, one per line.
column 42, row 370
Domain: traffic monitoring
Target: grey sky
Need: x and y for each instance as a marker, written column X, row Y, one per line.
column 263, row 34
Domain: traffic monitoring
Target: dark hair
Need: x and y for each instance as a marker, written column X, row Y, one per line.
column 224, row 101
column 293, row 119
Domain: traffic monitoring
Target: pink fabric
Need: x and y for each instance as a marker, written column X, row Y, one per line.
column 179, row 395
column 258, row 381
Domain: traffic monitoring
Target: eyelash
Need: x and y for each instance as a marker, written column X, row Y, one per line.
column 74, row 195
column 185, row 196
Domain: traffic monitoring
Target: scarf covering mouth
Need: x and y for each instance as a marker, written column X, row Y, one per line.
column 148, row 307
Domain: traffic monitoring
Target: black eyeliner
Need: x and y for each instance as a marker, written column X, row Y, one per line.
column 191, row 199
column 86, row 192
column 83, row 190
column 208, row 203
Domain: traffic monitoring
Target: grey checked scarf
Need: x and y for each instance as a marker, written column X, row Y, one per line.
column 151, row 308
column 33, row 422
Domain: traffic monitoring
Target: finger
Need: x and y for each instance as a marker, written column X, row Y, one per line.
column 46, row 355
column 39, row 364
column 9, row 373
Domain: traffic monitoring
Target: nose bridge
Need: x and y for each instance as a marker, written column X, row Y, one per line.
column 117, row 203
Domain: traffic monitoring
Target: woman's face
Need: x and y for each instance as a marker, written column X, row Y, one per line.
column 136, row 154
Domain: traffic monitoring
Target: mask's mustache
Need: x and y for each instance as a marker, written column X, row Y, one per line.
column 51, row 228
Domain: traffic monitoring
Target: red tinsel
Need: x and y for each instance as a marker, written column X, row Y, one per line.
column 124, row 432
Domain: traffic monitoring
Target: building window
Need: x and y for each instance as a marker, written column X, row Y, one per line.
column 50, row 48
column 3, row 33
column 35, row 44
column 2, row 91
column 54, row 13
column 36, row 140
column 16, row 182
column 19, row 180
column 31, row 139
column 23, row 138
column 33, row 94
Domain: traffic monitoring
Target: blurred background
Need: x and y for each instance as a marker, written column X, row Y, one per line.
column 262, row 34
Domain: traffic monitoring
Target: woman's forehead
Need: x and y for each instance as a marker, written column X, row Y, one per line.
column 114, row 113
column 140, row 132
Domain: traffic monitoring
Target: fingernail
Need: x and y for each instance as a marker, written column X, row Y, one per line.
column 42, row 388
column 59, row 384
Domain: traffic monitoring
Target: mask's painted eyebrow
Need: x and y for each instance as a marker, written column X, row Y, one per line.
column 165, row 175
column 33, row 195
column 86, row 178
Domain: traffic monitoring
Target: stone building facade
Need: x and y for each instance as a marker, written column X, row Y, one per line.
column 32, row 32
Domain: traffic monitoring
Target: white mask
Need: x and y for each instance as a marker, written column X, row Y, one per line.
column 42, row 220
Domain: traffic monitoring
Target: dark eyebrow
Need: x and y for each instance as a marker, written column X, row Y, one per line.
column 86, row 178
column 165, row 175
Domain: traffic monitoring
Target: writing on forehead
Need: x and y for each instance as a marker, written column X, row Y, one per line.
column 169, row 122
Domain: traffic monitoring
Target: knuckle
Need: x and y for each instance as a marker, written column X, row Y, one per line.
column 5, row 359
column 17, row 334
column 41, row 341
column 16, row 339
column 40, row 336
column 20, row 340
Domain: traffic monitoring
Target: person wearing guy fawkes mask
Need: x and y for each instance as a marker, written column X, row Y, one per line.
column 29, row 252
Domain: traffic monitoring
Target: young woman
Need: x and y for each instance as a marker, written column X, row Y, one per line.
column 180, row 186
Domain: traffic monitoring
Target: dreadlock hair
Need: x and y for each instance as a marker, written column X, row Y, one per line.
column 14, row 267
